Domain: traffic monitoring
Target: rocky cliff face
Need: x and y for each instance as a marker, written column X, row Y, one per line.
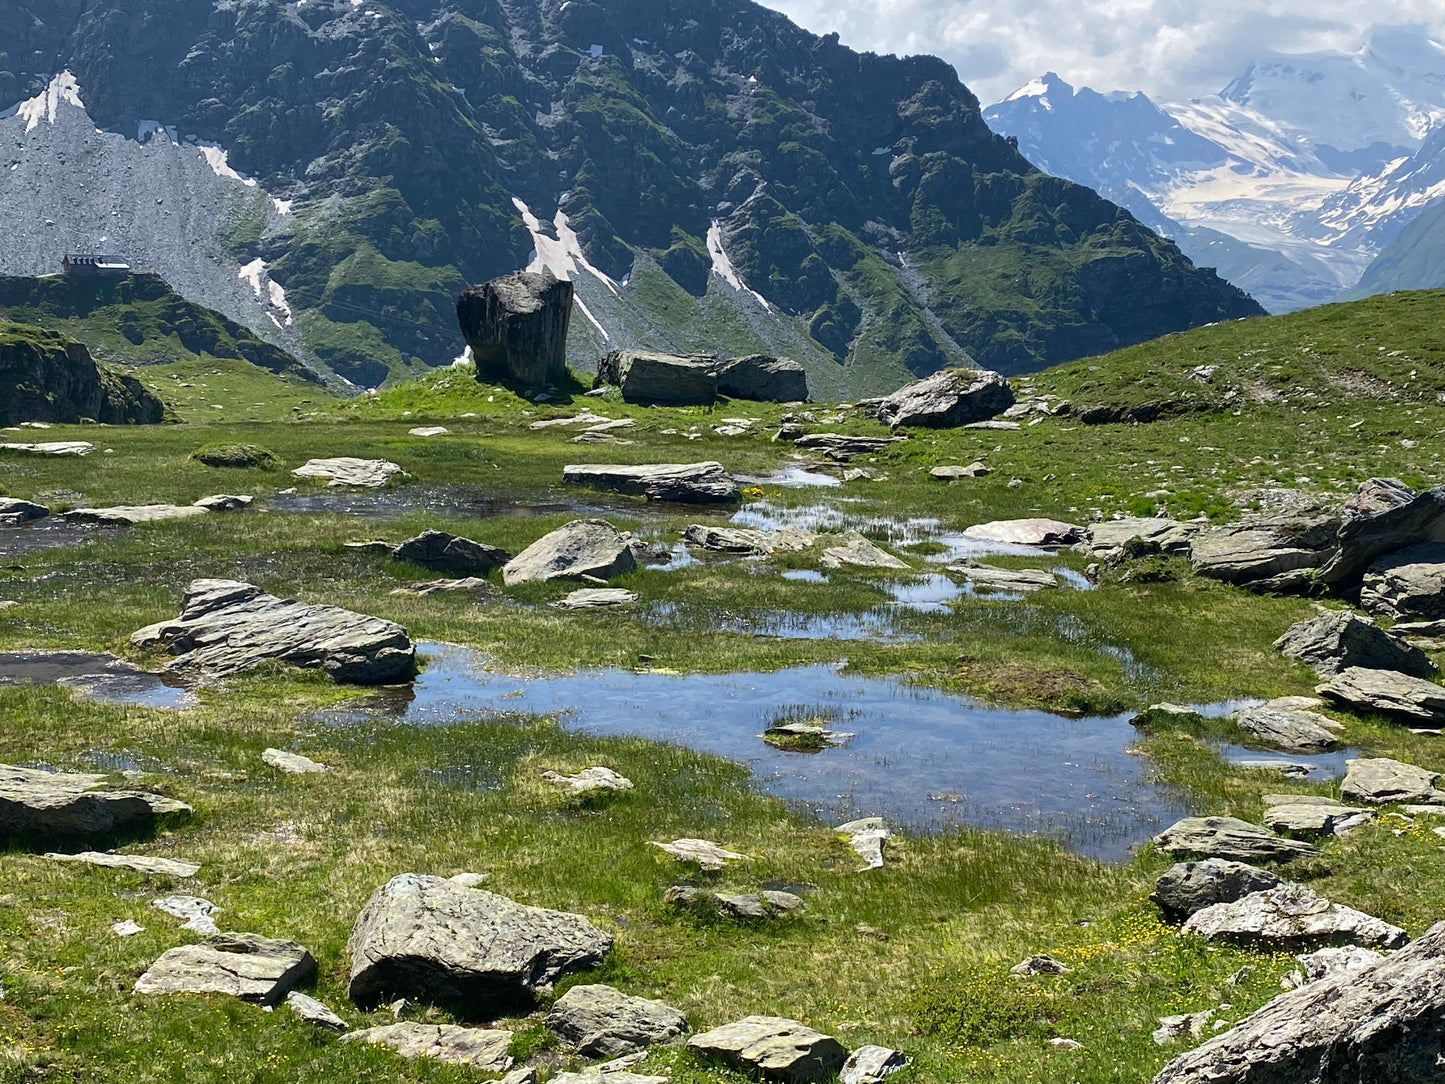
column 45, row 377
column 706, row 173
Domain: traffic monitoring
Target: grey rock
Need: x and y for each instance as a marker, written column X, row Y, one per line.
column 1171, row 536
column 1176, row 1027
column 682, row 483
column 349, row 471
column 683, row 896
column 584, row 547
column 646, row 376
column 1380, row 1025
column 429, row 431
column 471, row 584
column 947, row 472
column 842, row 447
column 762, row 378
column 225, row 502
column 947, row 399
column 1400, row 695
column 67, row 805
column 1304, row 814
column 1291, row 769
column 1326, row 963
column 1407, row 585
column 14, row 511
column 589, row 779
column 291, row 763
column 50, row 447
column 445, row 552
column 603, row 1022
column 314, row 1012
column 776, row 1047
column 1291, row 731
column 748, row 540
column 704, row 852
column 594, row 598
column 525, row 1075
column 477, row 1048
column 244, row 965
column 587, row 417
column 127, row 515
column 226, row 626
column 1187, row 887
column 1229, row 838
column 1374, row 525
column 138, row 863
column 745, row 905
column 866, row 836
column 993, row 578
column 1259, row 558
column 516, row 326
column 1027, row 532
column 595, row 1075
column 857, row 551
column 1379, row 780
column 1039, row 965
column 1291, row 915
column 197, row 912
column 781, row 901
column 1338, row 639
column 469, row 950
column 870, row 1064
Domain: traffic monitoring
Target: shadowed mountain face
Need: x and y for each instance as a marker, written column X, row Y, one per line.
column 710, row 175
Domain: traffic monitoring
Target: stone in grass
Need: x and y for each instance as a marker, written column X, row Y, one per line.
column 1028, row 532
column 1311, row 814
column 291, row 763
column 704, row 852
column 14, row 511
column 1290, row 916
column 1339, row 639
column 603, row 1022
column 474, row 952
column 682, row 483
column 72, row 805
column 947, row 399
column 870, row 1064
column 857, row 551
column 597, row 1075
column 992, row 578
column 1326, row 963
column 1230, row 838
column 866, row 836
column 1379, row 780
column 127, row 515
column 244, row 965
column 1040, row 965
column 1187, row 887
column 349, row 471
column 137, row 863
column 196, row 911
column 585, row 547
column 589, row 780
column 774, row 1046
column 595, row 598
column 1290, row 731
column 947, row 472
column 477, row 1048
column 314, row 1012
column 443, row 552
column 225, row 502
column 1408, row 698
column 1176, row 1027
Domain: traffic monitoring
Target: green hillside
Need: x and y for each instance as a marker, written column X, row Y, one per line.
column 1414, row 260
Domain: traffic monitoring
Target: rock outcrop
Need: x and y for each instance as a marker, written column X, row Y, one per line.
column 762, row 378
column 1229, row 838
column 1291, row 916
column 583, row 548
column 1379, row 780
column 1407, row 698
column 947, row 399
column 1381, row 520
column 46, row 377
column 645, row 376
column 1340, row 639
column 516, row 326
column 681, row 483
column 1408, row 585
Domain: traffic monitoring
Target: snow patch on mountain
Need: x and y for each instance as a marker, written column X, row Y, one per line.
column 722, row 265
column 42, row 107
column 562, row 257
column 267, row 291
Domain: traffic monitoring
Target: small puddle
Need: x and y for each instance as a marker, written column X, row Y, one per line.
column 94, row 676
column 872, row 624
column 793, row 478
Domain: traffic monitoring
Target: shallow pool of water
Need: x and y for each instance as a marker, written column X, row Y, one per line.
column 458, row 501
column 94, row 676
column 43, row 534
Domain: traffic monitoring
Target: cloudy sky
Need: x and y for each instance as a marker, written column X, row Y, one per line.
column 1168, row 48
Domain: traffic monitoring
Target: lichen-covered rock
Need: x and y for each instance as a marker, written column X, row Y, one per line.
column 516, row 326
column 947, row 399
column 603, row 1022
column 244, row 965
column 773, row 1046
column 1379, row 780
column 1291, row 915
column 1229, row 838
column 1187, row 887
column 1337, row 640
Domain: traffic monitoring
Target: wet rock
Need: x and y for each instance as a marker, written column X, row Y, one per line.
column 291, row 763
column 857, row 551
column 1291, row 915
column 480, row 1049
column 244, row 965
column 762, row 378
column 465, row 949
column 1380, row 1025
column 584, row 547
column 842, row 447
column 516, row 326
column 226, row 626
column 1379, row 780
column 1229, row 838
column 993, row 578
column 225, row 502
column 1187, row 887
column 14, row 512
column 1308, row 814
column 1039, row 965
column 1407, row 585
column 747, row 540
column 72, row 806
column 870, row 1064
column 589, row 779
column 1291, row 731
column 1326, row 963
column 803, row 737
column 683, row 483
column 1259, row 558
column 1339, row 639
column 137, row 863
column 315, row 1013
column 866, row 836
column 127, row 515
column 443, row 552
column 776, row 1047
column 603, row 1022
column 948, row 472
column 947, row 399
column 1027, row 532
column 50, row 447
column 594, row 598
column 1408, row 698
column 1380, row 520
column 1171, row 536
column 646, row 376
column 348, row 471
column 704, row 852
column 1176, row 1027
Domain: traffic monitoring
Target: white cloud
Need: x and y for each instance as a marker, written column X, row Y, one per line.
column 1168, row 48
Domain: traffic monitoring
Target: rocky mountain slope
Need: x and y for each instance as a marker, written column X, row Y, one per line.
column 46, row 377
column 709, row 175
column 1289, row 181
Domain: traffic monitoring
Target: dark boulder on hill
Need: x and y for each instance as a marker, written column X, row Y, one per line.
column 46, row 377
column 516, row 326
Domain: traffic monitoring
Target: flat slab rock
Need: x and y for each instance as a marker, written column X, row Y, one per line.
column 225, row 502
column 14, row 511
column 1390, row 693
column 704, row 852
column 1188, row 887
column 992, row 578
column 1290, row 916
column 226, row 626
column 1379, row 1025
column 603, row 1022
column 1254, row 557
column 126, row 515
column 1290, row 731
column 51, row 447
column 347, row 471
column 1378, row 780
column 1309, row 814
column 774, row 1046
column 291, row 763
column 584, row 547
column 589, row 779
column 1027, row 532
column 472, row 951
column 948, row 472
column 1230, row 838
column 478, row 1048
column 858, row 552
column 748, row 540
column 1335, row 641
column 1171, row 535
column 244, row 965
column 684, row 483
column 137, row 863
column 315, row 1012
column 72, row 806
column 594, row 598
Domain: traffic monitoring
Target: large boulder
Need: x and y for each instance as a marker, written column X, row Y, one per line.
column 128, row 515
column 1290, row 731
column 763, row 378
column 603, row 1022
column 64, row 805
column 1187, row 887
column 226, row 626
column 1334, row 641
column 516, row 326
column 1381, row 1025
column 444, row 552
column 473, row 952
column 47, row 377
column 1379, row 780
column 1408, row 698
column 1379, row 521
column 645, row 376
column 774, row 1046
column 584, row 547
column 244, row 965
column 1231, row 838
column 1408, row 585
column 1292, row 917
column 682, row 483
column 947, row 399
column 1107, row 538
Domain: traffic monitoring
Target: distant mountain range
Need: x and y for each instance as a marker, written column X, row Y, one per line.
column 332, row 172
column 1290, row 181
